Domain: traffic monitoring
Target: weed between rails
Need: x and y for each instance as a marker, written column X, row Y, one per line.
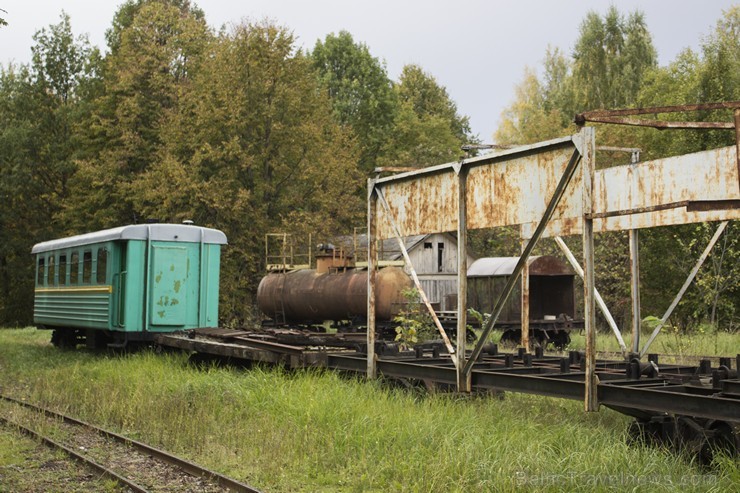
column 317, row 431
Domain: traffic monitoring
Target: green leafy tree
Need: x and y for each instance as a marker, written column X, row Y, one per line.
column 421, row 91
column 360, row 91
column 253, row 148
column 130, row 9
column 427, row 129
column 528, row 118
column 610, row 58
column 155, row 53
column 19, row 222
column 40, row 107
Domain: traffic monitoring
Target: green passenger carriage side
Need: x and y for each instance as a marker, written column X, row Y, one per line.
column 126, row 284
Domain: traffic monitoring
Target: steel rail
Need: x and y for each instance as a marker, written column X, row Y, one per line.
column 78, row 457
column 187, row 466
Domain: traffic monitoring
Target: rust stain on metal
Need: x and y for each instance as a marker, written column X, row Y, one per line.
column 526, row 272
column 656, row 193
column 514, row 190
column 426, row 204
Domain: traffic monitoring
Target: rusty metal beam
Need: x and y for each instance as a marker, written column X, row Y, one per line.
column 712, row 205
column 685, row 286
column 582, row 118
column 635, row 287
column 395, row 169
column 690, row 205
column 661, row 124
column 634, row 239
column 630, row 150
column 590, row 401
column 599, row 300
column 414, row 277
column 525, row 302
column 514, row 277
column 463, row 381
column 372, row 265
column 638, row 210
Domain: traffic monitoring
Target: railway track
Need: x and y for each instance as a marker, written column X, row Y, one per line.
column 135, row 465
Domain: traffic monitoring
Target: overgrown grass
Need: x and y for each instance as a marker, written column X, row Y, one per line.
column 682, row 347
column 317, row 431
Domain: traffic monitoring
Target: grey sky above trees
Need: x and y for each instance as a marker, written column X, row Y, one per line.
column 477, row 49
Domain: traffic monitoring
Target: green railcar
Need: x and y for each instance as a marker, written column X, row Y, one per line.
column 126, row 284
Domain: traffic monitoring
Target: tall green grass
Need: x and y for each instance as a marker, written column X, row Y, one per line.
column 680, row 347
column 317, row 431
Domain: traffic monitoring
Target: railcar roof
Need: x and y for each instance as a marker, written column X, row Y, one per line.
column 158, row 232
column 504, row 266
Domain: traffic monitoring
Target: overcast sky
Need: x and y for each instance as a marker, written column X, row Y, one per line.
column 477, row 49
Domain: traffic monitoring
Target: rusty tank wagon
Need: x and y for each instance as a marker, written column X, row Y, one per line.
column 335, row 291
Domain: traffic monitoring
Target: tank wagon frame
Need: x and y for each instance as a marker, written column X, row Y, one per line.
column 125, row 284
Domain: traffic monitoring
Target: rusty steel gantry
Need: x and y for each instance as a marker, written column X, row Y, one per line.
column 550, row 190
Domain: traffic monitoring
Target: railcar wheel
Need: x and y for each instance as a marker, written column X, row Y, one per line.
column 64, row 338
column 560, row 339
column 721, row 438
column 510, row 337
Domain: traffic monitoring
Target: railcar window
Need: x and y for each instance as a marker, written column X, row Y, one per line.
column 74, row 268
column 51, row 280
column 102, row 265
column 62, row 270
column 40, row 271
column 86, row 266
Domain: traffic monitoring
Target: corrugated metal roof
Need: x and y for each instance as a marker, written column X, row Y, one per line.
column 157, row 232
column 492, row 266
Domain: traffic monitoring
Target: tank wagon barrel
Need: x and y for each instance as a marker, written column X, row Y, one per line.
column 309, row 296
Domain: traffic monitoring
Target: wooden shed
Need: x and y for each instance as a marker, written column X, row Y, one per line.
column 434, row 257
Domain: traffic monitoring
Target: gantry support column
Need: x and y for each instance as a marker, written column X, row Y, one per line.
column 635, row 288
column 591, row 402
column 525, row 302
column 372, row 263
column 463, row 379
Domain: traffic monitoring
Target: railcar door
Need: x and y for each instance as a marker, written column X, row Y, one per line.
column 169, row 285
column 119, row 285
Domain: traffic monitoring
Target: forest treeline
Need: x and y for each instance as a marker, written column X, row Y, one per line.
column 242, row 130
